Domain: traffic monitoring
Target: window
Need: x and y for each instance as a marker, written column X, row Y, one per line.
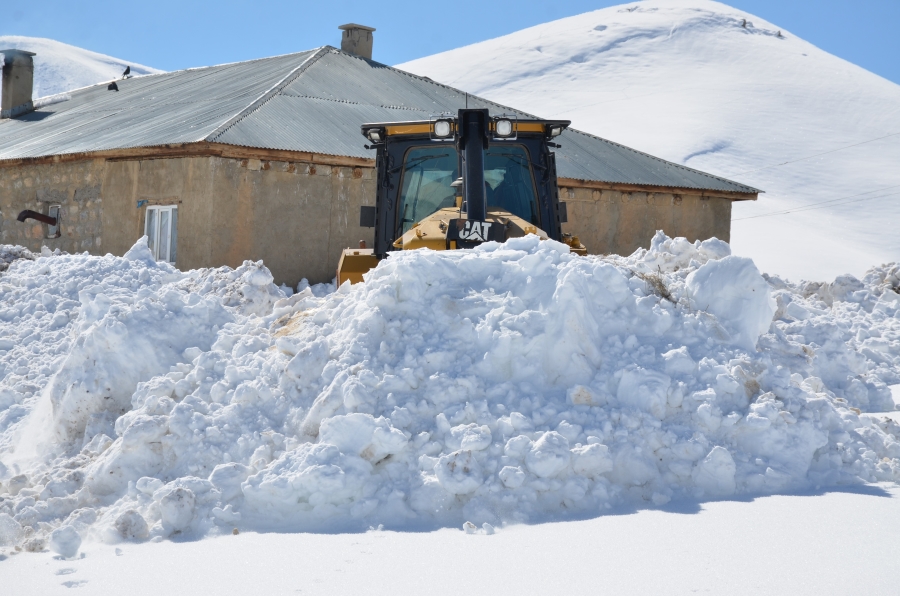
column 53, row 231
column 161, row 228
column 428, row 174
column 510, row 186
column 429, row 171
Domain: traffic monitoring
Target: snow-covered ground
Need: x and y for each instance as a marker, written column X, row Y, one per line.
column 832, row 543
column 509, row 383
column 668, row 422
column 60, row 67
column 721, row 90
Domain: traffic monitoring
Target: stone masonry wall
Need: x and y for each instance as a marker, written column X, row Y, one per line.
column 75, row 187
column 618, row 222
column 295, row 216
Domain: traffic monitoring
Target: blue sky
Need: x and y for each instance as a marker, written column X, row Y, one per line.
column 171, row 34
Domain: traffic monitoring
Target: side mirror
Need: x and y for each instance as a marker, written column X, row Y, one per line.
column 366, row 217
column 563, row 213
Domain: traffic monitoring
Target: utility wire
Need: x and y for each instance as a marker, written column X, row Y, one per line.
column 893, row 134
column 829, row 203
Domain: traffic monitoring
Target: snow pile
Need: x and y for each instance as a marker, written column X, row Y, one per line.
column 718, row 89
column 508, row 383
column 60, row 67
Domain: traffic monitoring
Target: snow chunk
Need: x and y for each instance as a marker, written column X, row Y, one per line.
column 579, row 395
column 65, row 541
column 734, row 291
column 176, row 507
column 714, row 475
column 131, row 525
column 140, row 252
column 228, row 479
column 512, row 476
column 591, row 460
column 10, row 530
column 373, row 439
column 318, row 476
column 470, row 437
column 644, row 389
column 459, row 472
column 679, row 362
column 549, row 455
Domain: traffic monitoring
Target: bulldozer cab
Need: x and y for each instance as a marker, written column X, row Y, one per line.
column 473, row 163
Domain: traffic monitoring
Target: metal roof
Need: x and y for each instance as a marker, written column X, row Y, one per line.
column 311, row 101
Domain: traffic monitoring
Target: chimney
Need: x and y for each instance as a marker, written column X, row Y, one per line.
column 357, row 40
column 18, row 83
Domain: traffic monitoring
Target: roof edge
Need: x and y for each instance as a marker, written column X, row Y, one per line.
column 194, row 149
column 730, row 195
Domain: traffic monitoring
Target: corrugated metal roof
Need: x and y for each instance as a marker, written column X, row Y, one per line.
column 178, row 107
column 311, row 101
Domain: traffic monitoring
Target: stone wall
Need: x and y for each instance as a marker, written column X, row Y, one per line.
column 296, row 216
column 74, row 186
column 619, row 222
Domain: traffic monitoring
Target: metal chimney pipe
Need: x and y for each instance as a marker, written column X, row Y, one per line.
column 357, row 40
column 29, row 214
column 18, row 83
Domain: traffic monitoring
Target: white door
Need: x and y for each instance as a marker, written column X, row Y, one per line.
column 161, row 228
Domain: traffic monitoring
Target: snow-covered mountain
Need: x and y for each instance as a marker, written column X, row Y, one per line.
column 60, row 67
column 718, row 89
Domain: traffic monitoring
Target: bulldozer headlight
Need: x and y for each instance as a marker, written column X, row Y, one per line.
column 555, row 130
column 442, row 129
column 503, row 128
column 374, row 135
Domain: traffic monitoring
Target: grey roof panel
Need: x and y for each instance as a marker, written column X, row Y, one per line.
column 311, row 101
column 178, row 107
column 586, row 157
column 329, row 127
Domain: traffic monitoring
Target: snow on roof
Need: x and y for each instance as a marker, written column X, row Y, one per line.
column 312, row 101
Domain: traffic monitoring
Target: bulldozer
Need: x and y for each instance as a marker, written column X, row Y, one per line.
column 456, row 181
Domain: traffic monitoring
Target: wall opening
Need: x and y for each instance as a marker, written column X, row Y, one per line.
column 53, row 230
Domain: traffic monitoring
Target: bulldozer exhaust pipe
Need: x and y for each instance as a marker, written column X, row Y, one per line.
column 473, row 140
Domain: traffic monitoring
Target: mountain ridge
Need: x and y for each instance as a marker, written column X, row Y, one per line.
column 717, row 89
column 60, row 67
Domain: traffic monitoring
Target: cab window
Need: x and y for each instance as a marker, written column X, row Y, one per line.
column 428, row 173
column 509, row 183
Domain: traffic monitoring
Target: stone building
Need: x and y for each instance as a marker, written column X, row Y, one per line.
column 264, row 160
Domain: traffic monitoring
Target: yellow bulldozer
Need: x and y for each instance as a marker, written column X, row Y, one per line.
column 455, row 182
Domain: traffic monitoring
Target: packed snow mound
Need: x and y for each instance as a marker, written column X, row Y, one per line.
column 718, row 89
column 60, row 67
column 509, row 383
